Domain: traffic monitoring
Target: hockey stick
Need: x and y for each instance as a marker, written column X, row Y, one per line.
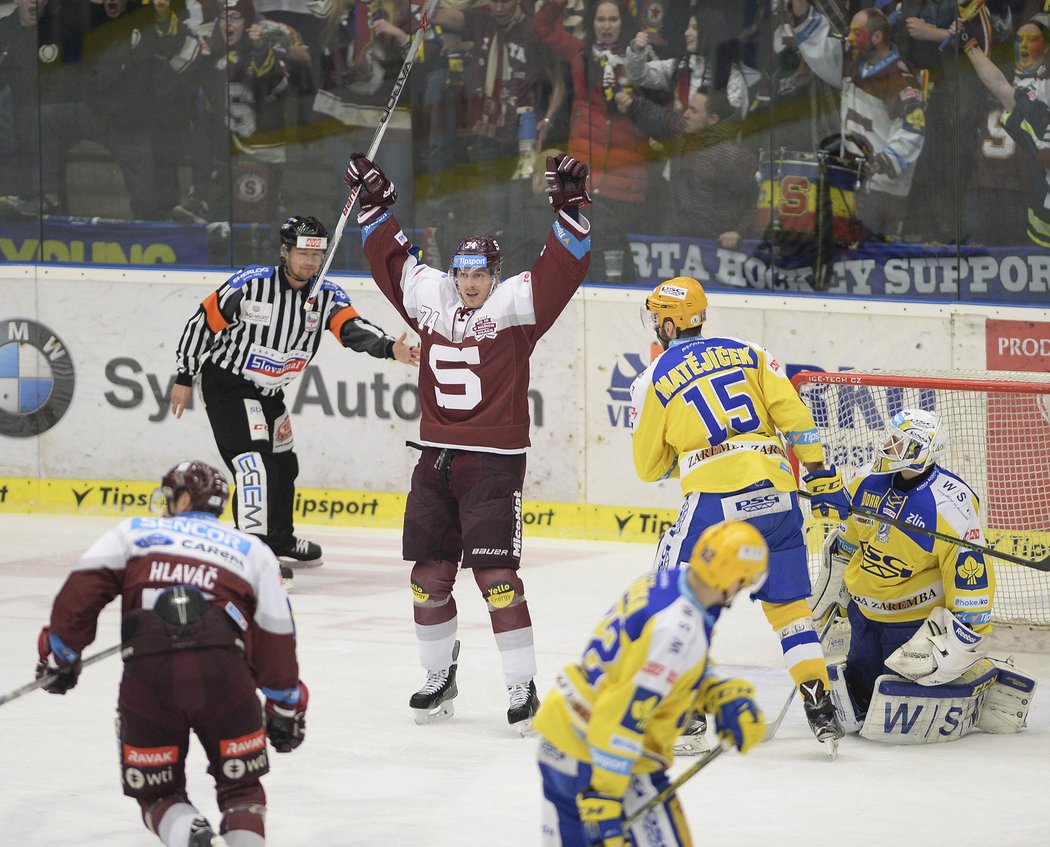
column 1038, row 564
column 679, row 781
column 395, row 94
column 47, row 679
column 771, row 729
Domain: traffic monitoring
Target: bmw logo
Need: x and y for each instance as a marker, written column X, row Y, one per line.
column 36, row 378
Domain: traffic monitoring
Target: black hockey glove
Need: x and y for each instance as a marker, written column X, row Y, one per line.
column 566, row 182
column 377, row 192
column 66, row 667
column 286, row 722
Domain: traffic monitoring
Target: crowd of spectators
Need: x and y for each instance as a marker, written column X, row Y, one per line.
column 688, row 112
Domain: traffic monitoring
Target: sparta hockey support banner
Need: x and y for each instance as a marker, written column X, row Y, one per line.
column 1012, row 275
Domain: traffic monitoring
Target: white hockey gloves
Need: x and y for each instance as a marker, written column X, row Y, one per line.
column 939, row 652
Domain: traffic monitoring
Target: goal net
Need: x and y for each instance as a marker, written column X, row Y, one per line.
column 998, row 426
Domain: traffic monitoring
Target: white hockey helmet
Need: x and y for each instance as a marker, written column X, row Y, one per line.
column 915, row 439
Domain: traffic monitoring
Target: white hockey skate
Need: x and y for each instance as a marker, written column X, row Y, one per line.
column 202, row 835
column 522, row 707
column 433, row 702
column 693, row 740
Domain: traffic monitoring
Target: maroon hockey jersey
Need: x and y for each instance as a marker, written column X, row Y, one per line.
column 474, row 363
column 141, row 557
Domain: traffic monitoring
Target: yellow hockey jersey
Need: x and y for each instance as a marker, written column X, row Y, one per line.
column 621, row 706
column 896, row 575
column 708, row 410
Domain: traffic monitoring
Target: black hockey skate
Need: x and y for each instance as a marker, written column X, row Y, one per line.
column 523, row 705
column 300, row 554
column 693, row 740
column 820, row 712
column 433, row 701
column 287, row 578
column 202, row 835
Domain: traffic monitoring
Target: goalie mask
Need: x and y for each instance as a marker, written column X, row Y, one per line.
column 474, row 252
column 207, row 487
column 681, row 299
column 731, row 554
column 914, row 440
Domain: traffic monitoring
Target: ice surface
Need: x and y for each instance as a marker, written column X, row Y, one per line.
column 367, row 775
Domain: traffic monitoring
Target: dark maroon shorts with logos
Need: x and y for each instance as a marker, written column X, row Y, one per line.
column 165, row 696
column 469, row 508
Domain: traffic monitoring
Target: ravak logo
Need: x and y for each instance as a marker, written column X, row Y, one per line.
column 624, row 372
column 36, row 378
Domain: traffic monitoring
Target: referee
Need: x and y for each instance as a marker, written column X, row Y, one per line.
column 249, row 339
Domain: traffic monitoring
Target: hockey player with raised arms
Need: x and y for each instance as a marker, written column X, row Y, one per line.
column 204, row 622
column 610, row 722
column 918, row 606
column 477, row 332
column 708, row 410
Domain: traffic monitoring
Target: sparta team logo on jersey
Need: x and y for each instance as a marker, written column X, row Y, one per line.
column 484, row 328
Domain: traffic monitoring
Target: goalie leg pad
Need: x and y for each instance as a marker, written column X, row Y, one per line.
column 1006, row 703
column 904, row 712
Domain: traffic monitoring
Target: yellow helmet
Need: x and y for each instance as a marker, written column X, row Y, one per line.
column 681, row 299
column 729, row 552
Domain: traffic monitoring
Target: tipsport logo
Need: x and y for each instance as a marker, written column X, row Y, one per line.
column 36, row 378
column 624, row 372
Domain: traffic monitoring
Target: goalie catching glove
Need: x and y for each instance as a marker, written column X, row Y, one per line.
column 738, row 720
column 566, row 182
column 827, row 493
column 286, row 717
column 377, row 192
column 66, row 666
column 940, row 652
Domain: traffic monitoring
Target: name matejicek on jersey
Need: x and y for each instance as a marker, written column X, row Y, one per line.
column 708, row 410
column 896, row 575
column 620, row 707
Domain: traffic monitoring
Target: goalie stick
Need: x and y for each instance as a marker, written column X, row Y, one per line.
column 677, row 783
column 47, row 679
column 395, row 94
column 1038, row 564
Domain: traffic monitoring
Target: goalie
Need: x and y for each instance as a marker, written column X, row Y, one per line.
column 919, row 607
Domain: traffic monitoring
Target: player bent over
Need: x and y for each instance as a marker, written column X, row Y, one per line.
column 709, row 410
column 204, row 622
column 610, row 723
column 918, row 606
column 477, row 332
